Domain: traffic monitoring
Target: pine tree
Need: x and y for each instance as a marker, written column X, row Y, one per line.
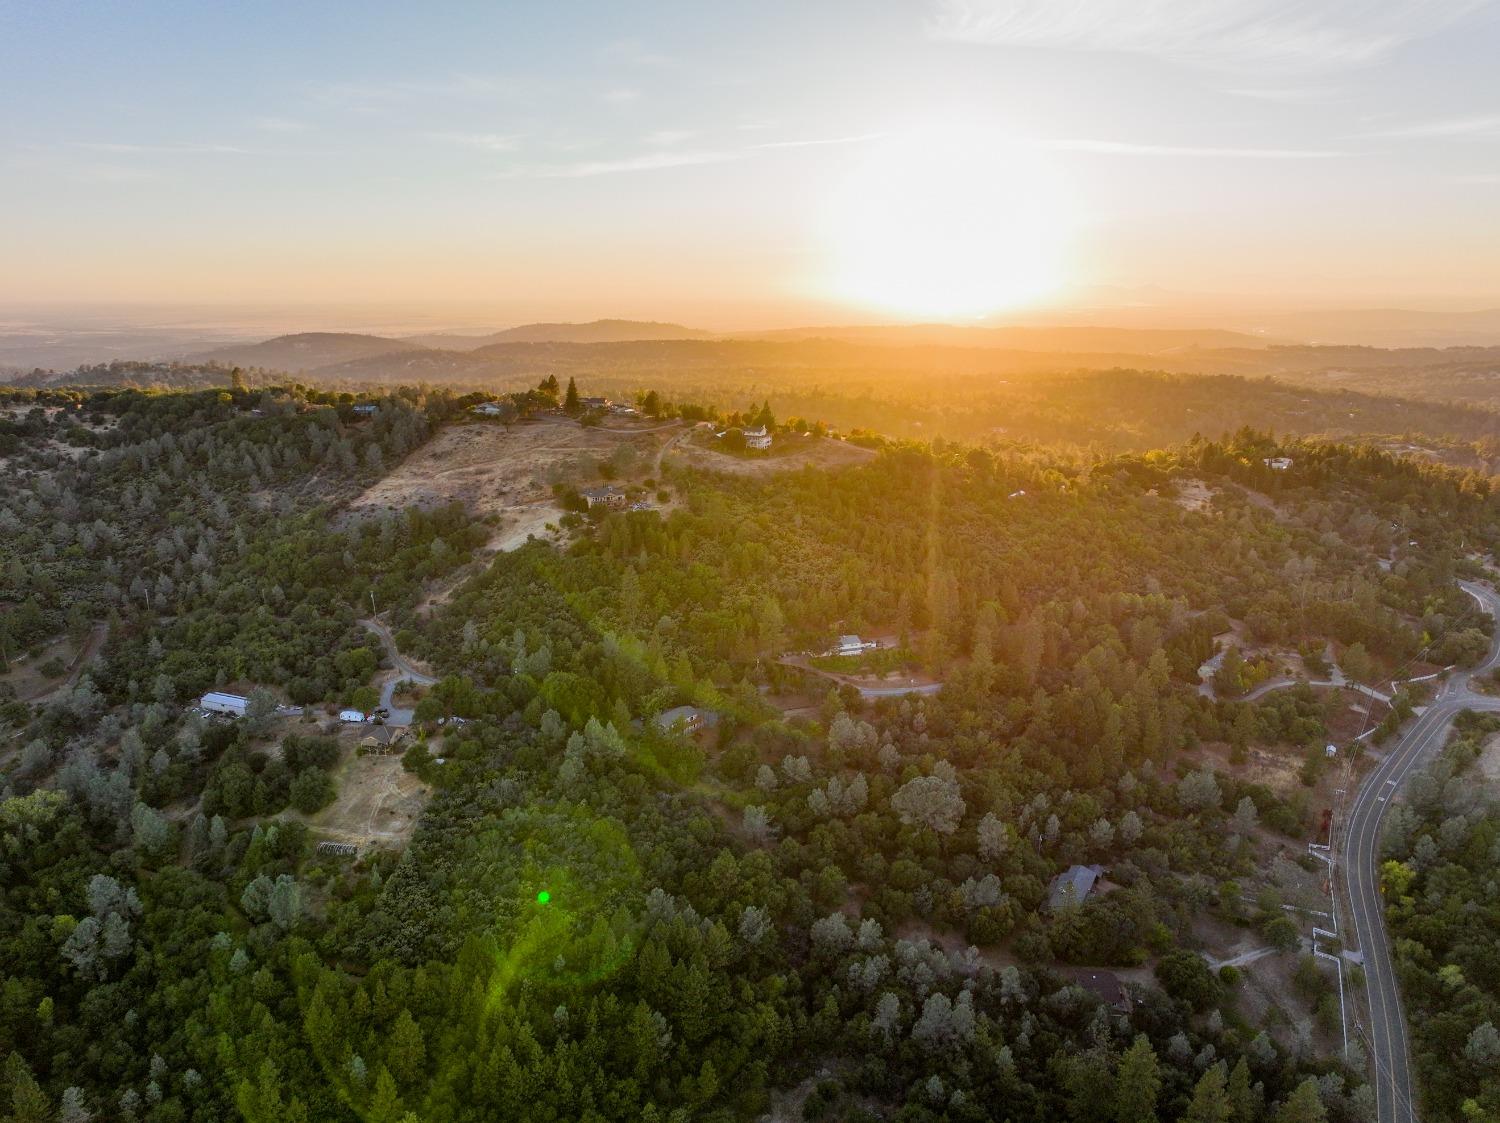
column 385, row 1106
column 29, row 1104
column 407, row 1051
column 1210, row 1102
column 1303, row 1105
column 1243, row 1099
column 571, row 405
column 1137, row 1084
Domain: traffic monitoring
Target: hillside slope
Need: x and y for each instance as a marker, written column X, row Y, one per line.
column 305, row 351
column 594, row 331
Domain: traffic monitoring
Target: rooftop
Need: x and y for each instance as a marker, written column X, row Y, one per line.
column 1073, row 885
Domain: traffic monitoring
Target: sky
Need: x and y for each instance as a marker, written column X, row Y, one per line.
column 737, row 165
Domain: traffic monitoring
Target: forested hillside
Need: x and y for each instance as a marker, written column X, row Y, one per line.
column 1093, row 404
column 1439, row 884
column 830, row 901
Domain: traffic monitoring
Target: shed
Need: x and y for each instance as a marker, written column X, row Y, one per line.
column 217, row 702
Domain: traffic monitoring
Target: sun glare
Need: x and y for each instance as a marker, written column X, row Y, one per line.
column 947, row 225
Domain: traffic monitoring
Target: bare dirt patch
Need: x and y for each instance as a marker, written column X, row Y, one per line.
column 378, row 802
column 493, row 468
column 1194, row 495
column 1489, row 758
column 25, row 676
column 789, row 453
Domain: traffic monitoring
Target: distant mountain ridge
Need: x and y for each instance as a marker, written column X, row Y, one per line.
column 305, row 351
column 594, row 331
column 1083, row 339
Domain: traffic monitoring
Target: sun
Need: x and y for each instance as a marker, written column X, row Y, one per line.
column 947, row 224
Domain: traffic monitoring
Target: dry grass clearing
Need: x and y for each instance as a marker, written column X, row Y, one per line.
column 1194, row 495
column 508, row 471
column 493, row 468
column 789, row 453
column 25, row 676
column 378, row 802
column 1489, row 759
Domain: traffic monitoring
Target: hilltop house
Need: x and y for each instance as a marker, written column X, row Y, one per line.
column 686, row 719
column 489, row 409
column 1277, row 463
column 1072, row 886
column 611, row 497
column 217, row 702
column 594, row 403
column 757, row 437
column 366, row 409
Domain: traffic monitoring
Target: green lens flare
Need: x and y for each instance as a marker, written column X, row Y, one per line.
column 543, row 897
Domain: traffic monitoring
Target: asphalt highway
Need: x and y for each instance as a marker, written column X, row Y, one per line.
column 1390, row 1046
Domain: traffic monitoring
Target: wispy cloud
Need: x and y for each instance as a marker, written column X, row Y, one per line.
column 113, row 173
column 1288, row 94
column 645, row 162
column 622, row 95
column 666, row 137
column 1478, row 126
column 118, row 149
column 368, row 96
column 674, row 158
column 1285, row 34
column 1129, row 148
column 857, row 138
column 485, row 142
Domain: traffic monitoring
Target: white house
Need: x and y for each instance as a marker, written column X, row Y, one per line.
column 488, row 409
column 217, row 702
column 1277, row 463
column 757, row 438
column 610, row 496
column 853, row 645
column 351, row 716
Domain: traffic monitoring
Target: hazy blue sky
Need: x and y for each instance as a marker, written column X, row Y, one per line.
column 735, row 164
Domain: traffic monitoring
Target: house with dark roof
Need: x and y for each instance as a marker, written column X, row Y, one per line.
column 1105, row 986
column 686, row 719
column 1072, row 886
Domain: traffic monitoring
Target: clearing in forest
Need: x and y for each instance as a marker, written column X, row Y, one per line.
column 378, row 802
column 788, row 453
column 494, row 468
column 509, row 470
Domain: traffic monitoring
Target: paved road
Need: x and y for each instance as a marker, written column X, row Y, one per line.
column 402, row 672
column 1389, row 1041
column 910, row 687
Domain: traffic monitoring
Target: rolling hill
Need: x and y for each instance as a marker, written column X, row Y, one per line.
column 306, row 351
column 595, row 331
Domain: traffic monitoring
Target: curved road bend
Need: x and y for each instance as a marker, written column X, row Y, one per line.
column 402, row 671
column 1390, row 1045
